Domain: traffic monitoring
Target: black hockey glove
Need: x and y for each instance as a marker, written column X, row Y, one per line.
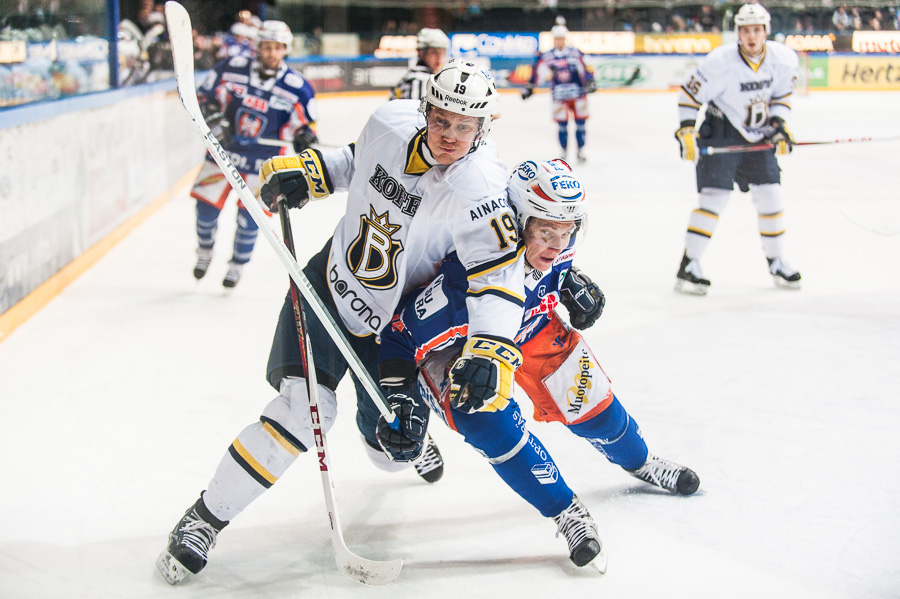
column 526, row 93
column 297, row 179
column 582, row 298
column 218, row 123
column 304, row 137
column 481, row 379
column 780, row 136
column 406, row 443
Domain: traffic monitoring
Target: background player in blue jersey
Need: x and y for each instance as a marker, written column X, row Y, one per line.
column 245, row 100
column 558, row 371
column 570, row 82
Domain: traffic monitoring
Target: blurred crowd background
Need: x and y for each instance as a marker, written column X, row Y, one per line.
column 54, row 48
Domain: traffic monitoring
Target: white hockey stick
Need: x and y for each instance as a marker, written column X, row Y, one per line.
column 179, row 25
column 283, row 143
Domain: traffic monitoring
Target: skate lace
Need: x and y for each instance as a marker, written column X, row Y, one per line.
column 198, row 535
column 780, row 267
column 430, row 458
column 576, row 525
column 693, row 268
column 660, row 472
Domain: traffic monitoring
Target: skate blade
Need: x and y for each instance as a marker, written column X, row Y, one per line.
column 599, row 563
column 689, row 288
column 783, row 284
column 170, row 568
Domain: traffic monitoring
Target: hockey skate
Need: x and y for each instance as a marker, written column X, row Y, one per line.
column 580, row 530
column 430, row 465
column 690, row 278
column 667, row 475
column 189, row 543
column 783, row 275
column 580, row 155
column 204, row 257
column 233, row 275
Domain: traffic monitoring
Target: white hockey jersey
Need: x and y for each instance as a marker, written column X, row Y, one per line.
column 748, row 94
column 404, row 217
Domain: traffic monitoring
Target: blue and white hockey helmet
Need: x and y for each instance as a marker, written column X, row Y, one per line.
column 549, row 190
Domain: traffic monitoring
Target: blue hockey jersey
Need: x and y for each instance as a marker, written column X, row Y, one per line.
column 435, row 317
column 273, row 108
column 569, row 77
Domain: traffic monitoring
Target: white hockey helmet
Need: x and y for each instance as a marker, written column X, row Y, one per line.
column 432, row 38
column 462, row 87
column 753, row 14
column 559, row 31
column 275, row 31
column 549, row 190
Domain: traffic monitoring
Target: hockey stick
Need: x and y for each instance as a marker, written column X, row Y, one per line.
column 350, row 564
column 711, row 150
column 283, row 143
column 179, row 25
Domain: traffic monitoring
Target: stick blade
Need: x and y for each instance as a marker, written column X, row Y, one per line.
column 366, row 571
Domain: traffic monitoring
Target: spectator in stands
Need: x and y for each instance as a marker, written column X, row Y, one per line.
column 841, row 19
column 707, row 19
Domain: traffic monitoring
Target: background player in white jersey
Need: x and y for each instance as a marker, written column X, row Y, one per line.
column 422, row 181
column 244, row 100
column 432, row 46
column 747, row 88
column 570, row 82
column 559, row 372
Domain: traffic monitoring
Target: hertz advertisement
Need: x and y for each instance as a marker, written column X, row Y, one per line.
column 864, row 73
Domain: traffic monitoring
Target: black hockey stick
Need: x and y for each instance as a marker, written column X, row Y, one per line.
column 711, row 150
column 352, row 565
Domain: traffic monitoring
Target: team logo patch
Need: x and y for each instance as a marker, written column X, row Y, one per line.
column 545, row 473
column 372, row 256
column 249, row 125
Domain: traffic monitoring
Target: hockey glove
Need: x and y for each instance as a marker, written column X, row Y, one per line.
column 304, row 137
column 526, row 93
column 780, row 136
column 591, row 87
column 297, row 179
column 407, row 443
column 482, row 378
column 582, row 298
column 687, row 140
column 218, row 123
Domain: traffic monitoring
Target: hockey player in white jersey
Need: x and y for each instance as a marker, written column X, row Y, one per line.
column 422, row 181
column 747, row 90
column 432, row 46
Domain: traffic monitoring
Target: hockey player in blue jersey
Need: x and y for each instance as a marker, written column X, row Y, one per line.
column 556, row 368
column 245, row 100
column 570, row 82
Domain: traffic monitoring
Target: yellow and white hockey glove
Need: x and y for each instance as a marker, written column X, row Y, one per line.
column 781, row 137
column 687, row 140
column 297, row 179
column 481, row 380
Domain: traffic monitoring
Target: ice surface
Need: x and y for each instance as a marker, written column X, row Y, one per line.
column 118, row 399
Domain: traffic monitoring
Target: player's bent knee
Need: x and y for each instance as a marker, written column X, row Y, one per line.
column 714, row 199
column 289, row 415
column 767, row 198
column 497, row 435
